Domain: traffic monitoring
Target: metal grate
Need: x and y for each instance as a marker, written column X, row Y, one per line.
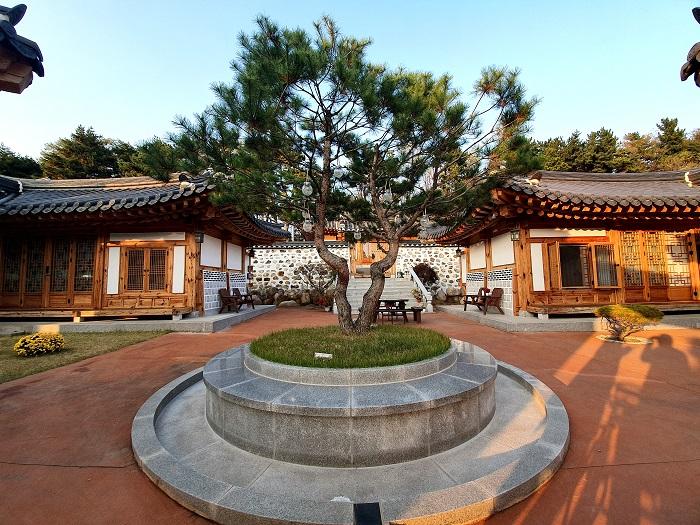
column 11, row 259
column 35, row 266
column 84, row 265
column 59, row 265
column 656, row 260
column 631, row 260
column 677, row 260
column 156, row 274
column 134, row 270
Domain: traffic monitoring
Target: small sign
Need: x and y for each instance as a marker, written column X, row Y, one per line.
column 321, row 355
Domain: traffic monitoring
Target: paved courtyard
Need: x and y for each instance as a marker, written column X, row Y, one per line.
column 65, row 454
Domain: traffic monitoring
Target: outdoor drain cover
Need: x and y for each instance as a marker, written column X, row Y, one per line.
column 367, row 514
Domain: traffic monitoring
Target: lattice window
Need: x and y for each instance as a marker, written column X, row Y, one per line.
column 134, row 270
column 605, row 268
column 677, row 260
column 631, row 260
column 59, row 265
column 84, row 264
column 656, row 259
column 156, row 274
column 34, row 280
column 11, row 260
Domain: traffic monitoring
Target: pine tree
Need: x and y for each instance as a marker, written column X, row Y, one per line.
column 671, row 137
column 20, row 166
column 311, row 128
column 84, row 155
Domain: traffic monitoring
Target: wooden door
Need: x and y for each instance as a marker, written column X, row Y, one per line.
column 363, row 254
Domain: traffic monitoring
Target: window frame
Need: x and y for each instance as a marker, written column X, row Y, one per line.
column 615, row 262
column 145, row 289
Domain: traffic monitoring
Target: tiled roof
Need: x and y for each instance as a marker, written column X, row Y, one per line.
column 33, row 196
column 627, row 189
column 69, row 198
column 27, row 49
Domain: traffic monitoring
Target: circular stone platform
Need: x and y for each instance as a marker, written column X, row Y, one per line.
column 354, row 416
column 518, row 451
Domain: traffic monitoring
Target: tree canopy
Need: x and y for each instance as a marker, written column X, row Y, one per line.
column 311, row 130
column 15, row 165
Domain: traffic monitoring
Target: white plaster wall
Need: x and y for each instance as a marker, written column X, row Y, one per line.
column 234, row 256
column 178, row 285
column 565, row 232
column 502, row 250
column 113, row 258
column 537, row 265
column 477, row 256
column 211, row 251
column 502, row 279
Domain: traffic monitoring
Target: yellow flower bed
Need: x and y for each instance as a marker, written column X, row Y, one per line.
column 39, row 344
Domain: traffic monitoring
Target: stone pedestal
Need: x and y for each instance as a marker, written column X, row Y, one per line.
column 350, row 417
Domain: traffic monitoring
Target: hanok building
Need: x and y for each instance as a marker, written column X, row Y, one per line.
column 120, row 247
column 568, row 242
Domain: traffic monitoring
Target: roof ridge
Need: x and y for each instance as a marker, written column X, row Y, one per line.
column 693, row 173
column 112, row 183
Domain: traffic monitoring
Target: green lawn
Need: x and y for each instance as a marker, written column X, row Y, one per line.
column 78, row 347
column 382, row 346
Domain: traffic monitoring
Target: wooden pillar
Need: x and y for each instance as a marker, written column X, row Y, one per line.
column 99, row 285
column 522, row 276
column 694, row 261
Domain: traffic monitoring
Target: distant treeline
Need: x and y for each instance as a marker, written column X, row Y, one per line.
column 86, row 154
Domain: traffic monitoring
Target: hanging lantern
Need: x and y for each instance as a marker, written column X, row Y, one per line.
column 425, row 220
column 307, row 189
column 307, row 226
column 357, row 235
column 306, row 214
column 387, row 196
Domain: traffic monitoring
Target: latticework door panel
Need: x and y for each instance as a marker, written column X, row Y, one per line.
column 11, row 261
column 656, row 259
column 84, row 265
column 35, row 266
column 157, row 270
column 631, row 260
column 134, row 270
column 59, row 265
column 677, row 260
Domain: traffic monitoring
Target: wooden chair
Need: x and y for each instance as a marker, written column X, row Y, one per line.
column 493, row 300
column 476, row 300
column 245, row 298
column 228, row 301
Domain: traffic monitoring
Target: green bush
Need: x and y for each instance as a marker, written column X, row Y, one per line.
column 426, row 274
column 622, row 320
column 39, row 344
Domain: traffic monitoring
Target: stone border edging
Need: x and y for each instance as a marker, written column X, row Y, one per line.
column 349, row 376
column 466, row 502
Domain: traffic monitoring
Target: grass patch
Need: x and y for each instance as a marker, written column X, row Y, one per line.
column 382, row 346
column 78, row 347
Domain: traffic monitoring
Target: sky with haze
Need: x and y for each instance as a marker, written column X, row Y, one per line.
column 127, row 68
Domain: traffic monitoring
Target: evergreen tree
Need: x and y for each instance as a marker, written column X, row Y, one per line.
column 600, row 152
column 84, row 155
column 14, row 165
column 155, row 158
column 310, row 128
column 671, row 137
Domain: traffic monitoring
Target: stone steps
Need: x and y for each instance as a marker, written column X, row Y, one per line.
column 394, row 288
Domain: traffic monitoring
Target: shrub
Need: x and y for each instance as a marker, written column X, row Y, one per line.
column 38, row 344
column 622, row 320
column 426, row 274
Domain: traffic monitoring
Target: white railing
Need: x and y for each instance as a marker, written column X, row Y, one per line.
column 427, row 296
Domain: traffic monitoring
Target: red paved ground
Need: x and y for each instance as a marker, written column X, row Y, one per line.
column 65, row 453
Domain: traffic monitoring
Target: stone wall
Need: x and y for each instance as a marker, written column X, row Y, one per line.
column 442, row 259
column 274, row 265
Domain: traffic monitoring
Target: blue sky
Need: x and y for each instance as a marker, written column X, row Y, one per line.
column 127, row 68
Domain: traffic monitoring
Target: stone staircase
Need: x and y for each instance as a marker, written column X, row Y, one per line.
column 394, row 288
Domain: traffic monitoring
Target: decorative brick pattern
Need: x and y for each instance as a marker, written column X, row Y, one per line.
column 473, row 281
column 213, row 281
column 503, row 279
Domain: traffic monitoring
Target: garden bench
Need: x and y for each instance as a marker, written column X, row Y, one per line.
column 476, row 299
column 229, row 300
column 493, row 299
column 245, row 298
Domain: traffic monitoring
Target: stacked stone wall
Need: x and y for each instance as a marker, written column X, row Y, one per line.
column 442, row 259
column 274, row 265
